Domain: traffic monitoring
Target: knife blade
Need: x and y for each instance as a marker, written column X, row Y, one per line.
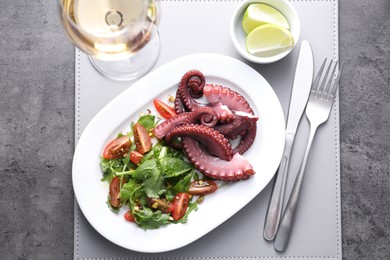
column 300, row 94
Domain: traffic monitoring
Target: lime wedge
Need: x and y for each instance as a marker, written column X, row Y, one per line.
column 268, row 40
column 260, row 14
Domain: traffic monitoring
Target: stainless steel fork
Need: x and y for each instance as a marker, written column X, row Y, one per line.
column 317, row 112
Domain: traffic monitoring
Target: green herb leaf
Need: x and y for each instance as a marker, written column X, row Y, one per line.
column 104, row 165
column 146, row 169
column 182, row 185
column 110, row 168
column 147, row 121
column 153, row 184
column 147, row 219
column 173, row 167
column 128, row 190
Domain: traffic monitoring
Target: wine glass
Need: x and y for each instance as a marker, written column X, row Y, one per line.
column 119, row 36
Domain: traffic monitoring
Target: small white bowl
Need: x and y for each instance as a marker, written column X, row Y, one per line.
column 238, row 35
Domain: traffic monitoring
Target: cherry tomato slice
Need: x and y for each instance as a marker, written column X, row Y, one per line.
column 180, row 203
column 129, row 216
column 136, row 157
column 164, row 110
column 202, row 187
column 117, row 147
column 142, row 139
column 114, row 192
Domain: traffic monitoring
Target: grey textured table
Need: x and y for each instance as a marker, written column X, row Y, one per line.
column 37, row 131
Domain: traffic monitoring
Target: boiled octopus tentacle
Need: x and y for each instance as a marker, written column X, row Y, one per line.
column 196, row 85
column 239, row 126
column 246, row 140
column 214, row 142
column 204, row 115
column 225, row 115
column 178, row 105
column 163, row 129
column 191, row 86
column 228, row 97
column 235, row 102
column 234, row 170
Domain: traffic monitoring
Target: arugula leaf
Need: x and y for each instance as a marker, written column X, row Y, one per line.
column 153, row 153
column 175, row 153
column 147, row 121
column 145, row 169
column 137, row 197
column 173, row 167
column 182, row 185
column 154, row 186
column 128, row 189
column 153, row 183
column 104, row 165
column 126, row 162
column 149, row 155
column 147, row 219
column 156, row 149
column 162, row 153
column 171, row 164
column 110, row 168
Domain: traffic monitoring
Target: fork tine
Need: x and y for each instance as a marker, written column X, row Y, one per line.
column 316, row 82
column 329, row 86
column 322, row 86
column 336, row 83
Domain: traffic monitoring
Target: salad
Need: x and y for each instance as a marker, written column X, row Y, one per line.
column 155, row 183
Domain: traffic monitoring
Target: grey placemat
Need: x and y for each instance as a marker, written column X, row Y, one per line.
column 192, row 26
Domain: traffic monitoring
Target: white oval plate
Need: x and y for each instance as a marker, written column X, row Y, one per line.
column 264, row 155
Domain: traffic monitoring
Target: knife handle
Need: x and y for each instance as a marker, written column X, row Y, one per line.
column 286, row 224
column 274, row 211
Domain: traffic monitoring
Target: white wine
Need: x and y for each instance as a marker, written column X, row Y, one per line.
column 109, row 29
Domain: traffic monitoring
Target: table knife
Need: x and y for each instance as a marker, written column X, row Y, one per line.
column 300, row 94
